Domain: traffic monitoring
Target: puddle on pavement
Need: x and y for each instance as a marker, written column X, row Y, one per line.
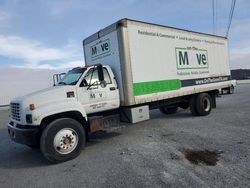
column 206, row 157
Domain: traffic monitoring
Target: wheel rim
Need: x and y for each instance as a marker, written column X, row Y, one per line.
column 206, row 104
column 65, row 141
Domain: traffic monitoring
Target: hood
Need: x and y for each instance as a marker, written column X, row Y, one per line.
column 46, row 96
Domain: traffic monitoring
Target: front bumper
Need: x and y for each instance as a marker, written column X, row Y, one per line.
column 24, row 134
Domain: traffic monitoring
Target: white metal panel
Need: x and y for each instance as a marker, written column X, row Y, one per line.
column 153, row 55
column 109, row 56
column 16, row 82
column 5, row 100
column 136, row 114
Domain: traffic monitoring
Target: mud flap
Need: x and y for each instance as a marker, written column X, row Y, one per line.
column 213, row 96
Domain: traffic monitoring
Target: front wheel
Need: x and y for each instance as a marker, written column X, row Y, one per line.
column 62, row 140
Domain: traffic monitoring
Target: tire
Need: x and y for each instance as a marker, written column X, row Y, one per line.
column 169, row 110
column 203, row 104
column 62, row 140
column 192, row 105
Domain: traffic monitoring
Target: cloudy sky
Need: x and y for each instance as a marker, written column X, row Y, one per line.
column 49, row 33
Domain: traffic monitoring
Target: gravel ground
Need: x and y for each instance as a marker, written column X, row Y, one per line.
column 167, row 151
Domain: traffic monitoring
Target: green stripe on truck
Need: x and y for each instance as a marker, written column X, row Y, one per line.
column 144, row 88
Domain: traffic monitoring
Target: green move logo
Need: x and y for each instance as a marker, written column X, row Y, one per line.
column 191, row 58
column 100, row 48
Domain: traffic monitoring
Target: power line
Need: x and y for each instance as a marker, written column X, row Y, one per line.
column 216, row 15
column 213, row 15
column 230, row 16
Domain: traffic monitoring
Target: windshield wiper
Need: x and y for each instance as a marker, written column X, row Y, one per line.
column 62, row 83
column 73, row 83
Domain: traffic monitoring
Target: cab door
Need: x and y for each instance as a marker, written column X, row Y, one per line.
column 96, row 96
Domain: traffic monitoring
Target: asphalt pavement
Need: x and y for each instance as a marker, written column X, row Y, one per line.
column 177, row 150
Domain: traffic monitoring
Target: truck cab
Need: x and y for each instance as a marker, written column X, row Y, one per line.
column 81, row 92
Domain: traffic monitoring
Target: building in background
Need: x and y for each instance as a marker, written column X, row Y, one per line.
column 15, row 82
column 240, row 74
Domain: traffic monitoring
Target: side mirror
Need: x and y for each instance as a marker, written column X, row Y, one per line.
column 103, row 84
column 100, row 73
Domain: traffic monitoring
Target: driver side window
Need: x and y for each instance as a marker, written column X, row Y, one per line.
column 92, row 77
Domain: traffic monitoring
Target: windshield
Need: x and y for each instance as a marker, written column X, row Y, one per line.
column 72, row 77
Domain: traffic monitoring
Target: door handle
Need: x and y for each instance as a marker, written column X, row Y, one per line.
column 112, row 88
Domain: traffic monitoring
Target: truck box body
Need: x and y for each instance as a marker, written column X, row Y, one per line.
column 153, row 62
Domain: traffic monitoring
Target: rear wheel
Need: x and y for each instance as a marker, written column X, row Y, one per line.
column 203, row 104
column 62, row 140
column 169, row 110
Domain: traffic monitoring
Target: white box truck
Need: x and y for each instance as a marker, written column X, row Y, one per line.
column 132, row 67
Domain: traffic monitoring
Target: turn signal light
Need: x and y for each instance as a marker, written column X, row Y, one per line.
column 32, row 107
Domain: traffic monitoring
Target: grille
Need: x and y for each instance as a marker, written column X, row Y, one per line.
column 15, row 111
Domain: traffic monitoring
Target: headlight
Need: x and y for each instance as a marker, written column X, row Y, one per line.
column 32, row 106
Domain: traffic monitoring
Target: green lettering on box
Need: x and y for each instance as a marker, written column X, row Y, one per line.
column 144, row 88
